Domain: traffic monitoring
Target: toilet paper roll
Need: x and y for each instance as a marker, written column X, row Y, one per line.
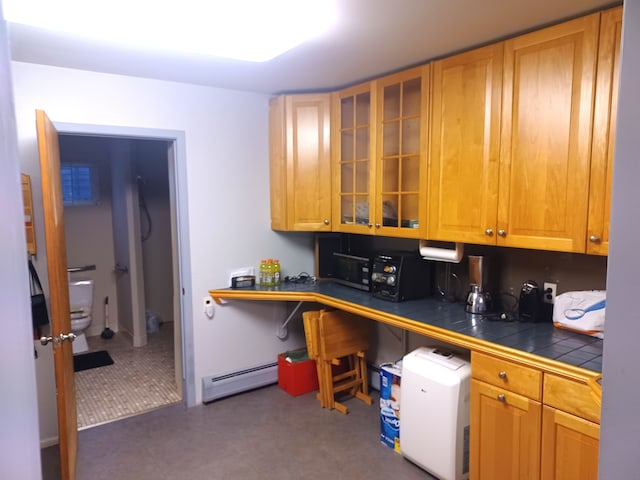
column 441, row 254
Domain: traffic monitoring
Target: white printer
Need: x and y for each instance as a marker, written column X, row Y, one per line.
column 435, row 391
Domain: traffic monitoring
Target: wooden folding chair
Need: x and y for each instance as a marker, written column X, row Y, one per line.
column 343, row 339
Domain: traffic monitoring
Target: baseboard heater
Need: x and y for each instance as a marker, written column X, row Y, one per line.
column 219, row 386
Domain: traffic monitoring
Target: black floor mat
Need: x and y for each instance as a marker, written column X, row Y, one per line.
column 85, row 361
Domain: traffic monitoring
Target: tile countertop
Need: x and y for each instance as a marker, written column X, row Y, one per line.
column 541, row 339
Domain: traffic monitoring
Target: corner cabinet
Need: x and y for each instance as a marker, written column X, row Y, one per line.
column 604, row 128
column 547, row 106
column 300, row 162
column 379, row 156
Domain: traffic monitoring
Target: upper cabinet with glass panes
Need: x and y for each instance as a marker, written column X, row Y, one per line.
column 380, row 136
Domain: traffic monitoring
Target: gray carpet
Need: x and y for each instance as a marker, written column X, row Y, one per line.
column 264, row 434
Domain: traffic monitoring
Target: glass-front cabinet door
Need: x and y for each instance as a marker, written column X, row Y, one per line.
column 401, row 170
column 353, row 117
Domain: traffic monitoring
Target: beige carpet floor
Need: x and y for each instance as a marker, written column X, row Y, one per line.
column 140, row 380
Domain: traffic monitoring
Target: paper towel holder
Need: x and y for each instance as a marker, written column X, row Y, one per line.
column 441, row 254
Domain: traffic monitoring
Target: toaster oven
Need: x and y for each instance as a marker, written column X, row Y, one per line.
column 401, row 276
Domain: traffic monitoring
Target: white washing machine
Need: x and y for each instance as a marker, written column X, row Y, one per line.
column 435, row 410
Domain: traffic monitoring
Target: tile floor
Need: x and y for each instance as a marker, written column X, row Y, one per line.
column 141, row 379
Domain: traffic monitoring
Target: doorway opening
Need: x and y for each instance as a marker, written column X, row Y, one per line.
column 130, row 233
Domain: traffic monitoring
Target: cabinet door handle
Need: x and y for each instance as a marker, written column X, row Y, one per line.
column 594, row 239
column 488, row 232
column 370, row 225
column 502, row 375
column 502, row 398
column 502, row 233
column 326, row 222
column 377, row 225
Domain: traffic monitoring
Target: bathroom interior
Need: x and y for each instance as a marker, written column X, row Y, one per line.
column 121, row 259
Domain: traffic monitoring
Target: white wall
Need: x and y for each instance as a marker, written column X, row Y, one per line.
column 19, row 455
column 620, row 423
column 228, row 190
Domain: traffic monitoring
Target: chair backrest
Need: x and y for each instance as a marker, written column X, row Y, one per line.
column 342, row 333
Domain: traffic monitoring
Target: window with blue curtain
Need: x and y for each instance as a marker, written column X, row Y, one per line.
column 79, row 184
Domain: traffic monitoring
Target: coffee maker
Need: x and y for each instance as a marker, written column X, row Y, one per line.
column 478, row 299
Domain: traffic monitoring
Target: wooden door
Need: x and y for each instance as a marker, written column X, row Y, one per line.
column 604, row 130
column 58, row 293
column 549, row 78
column 505, row 434
column 353, row 152
column 308, row 170
column 465, row 146
column 569, row 446
column 401, row 147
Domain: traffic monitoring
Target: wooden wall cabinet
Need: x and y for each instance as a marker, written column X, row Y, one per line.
column 353, row 150
column 465, row 146
column 511, row 140
column 604, row 128
column 548, row 91
column 300, row 162
column 380, row 142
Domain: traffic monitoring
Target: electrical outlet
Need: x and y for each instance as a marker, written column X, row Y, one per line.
column 549, row 294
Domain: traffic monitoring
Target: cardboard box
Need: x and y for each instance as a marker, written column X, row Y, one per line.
column 296, row 376
column 390, row 376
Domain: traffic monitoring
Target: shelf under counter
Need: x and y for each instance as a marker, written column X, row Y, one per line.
column 540, row 345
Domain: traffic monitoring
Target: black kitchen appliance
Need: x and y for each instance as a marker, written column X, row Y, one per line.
column 399, row 276
column 530, row 306
column 352, row 270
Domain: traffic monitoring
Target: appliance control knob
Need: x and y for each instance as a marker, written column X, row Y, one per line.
column 488, row 232
column 391, row 280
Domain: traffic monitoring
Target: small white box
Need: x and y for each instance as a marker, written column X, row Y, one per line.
column 435, row 412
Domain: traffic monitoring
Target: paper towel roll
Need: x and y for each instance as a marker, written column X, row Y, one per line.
column 441, row 254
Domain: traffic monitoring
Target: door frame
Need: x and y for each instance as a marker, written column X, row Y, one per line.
column 179, row 176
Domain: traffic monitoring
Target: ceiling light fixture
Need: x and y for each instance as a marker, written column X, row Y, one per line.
column 249, row 30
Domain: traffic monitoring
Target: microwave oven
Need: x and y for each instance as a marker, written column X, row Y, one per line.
column 352, row 270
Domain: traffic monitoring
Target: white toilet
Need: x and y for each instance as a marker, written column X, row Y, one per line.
column 80, row 306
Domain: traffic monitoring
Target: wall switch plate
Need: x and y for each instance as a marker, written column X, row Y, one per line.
column 549, row 292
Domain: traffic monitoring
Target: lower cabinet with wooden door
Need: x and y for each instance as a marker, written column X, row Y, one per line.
column 505, row 420
column 570, row 430
column 529, row 424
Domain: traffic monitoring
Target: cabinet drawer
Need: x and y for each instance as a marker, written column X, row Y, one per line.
column 571, row 397
column 510, row 376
